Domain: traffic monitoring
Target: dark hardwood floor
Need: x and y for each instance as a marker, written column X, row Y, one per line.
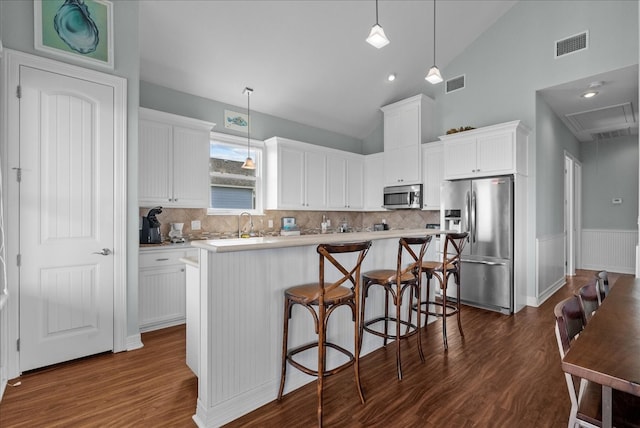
column 504, row 373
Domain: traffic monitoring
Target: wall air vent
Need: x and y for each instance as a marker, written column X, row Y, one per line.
column 572, row 44
column 455, row 84
column 607, row 135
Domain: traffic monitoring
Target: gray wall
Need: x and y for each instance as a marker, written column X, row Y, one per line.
column 610, row 170
column 553, row 138
column 263, row 126
column 514, row 58
column 17, row 34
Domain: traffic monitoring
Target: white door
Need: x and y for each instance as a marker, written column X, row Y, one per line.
column 66, row 218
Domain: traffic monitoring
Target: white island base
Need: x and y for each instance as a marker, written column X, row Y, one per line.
column 241, row 310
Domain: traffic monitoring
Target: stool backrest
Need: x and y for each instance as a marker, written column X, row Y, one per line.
column 409, row 245
column 351, row 276
column 452, row 250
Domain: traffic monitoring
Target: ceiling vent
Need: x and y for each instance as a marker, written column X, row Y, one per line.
column 572, row 44
column 599, row 136
column 455, row 84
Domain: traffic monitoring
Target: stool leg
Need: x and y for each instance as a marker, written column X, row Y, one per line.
column 444, row 313
column 456, row 275
column 322, row 330
column 357, row 343
column 418, row 332
column 285, row 335
column 386, row 315
column 426, row 319
column 397, row 304
column 363, row 298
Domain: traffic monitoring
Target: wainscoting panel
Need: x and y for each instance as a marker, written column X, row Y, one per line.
column 611, row 250
column 550, row 266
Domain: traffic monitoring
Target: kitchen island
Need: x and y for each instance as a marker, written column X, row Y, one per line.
column 241, row 284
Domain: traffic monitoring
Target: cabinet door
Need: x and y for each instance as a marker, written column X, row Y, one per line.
column 190, row 168
column 336, row 182
column 433, row 174
column 459, row 158
column 402, row 166
column 154, row 160
column 402, row 127
column 316, row 181
column 495, row 154
column 290, row 178
column 355, row 184
column 373, row 182
column 161, row 297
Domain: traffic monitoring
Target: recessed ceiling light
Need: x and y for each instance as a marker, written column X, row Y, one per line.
column 391, row 77
column 589, row 94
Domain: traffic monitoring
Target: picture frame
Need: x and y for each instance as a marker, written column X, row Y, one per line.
column 78, row 30
column 236, row 121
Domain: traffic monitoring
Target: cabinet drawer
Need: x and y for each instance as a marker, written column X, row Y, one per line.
column 152, row 259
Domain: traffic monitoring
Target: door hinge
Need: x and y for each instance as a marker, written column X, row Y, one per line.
column 19, row 91
column 18, row 344
column 18, row 174
column 19, row 260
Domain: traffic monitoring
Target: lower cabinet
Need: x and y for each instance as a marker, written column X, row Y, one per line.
column 162, row 287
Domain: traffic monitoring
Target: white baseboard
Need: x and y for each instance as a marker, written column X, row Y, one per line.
column 134, row 342
column 610, row 250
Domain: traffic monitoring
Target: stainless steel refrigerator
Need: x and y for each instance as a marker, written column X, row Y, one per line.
column 484, row 208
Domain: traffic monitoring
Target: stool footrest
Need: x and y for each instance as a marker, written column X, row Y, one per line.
column 313, row 372
column 450, row 310
column 413, row 329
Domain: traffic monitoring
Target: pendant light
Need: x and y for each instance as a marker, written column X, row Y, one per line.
column 377, row 38
column 434, row 76
column 248, row 163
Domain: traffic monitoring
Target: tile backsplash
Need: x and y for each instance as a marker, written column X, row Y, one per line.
column 213, row 226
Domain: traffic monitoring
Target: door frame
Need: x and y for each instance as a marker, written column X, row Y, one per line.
column 12, row 62
column 572, row 196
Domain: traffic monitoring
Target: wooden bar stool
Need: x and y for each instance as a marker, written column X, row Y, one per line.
column 321, row 299
column 395, row 282
column 450, row 265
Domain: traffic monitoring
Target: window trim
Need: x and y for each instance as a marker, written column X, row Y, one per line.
column 259, row 146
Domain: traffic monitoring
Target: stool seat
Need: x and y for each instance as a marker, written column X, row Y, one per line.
column 307, row 294
column 386, row 275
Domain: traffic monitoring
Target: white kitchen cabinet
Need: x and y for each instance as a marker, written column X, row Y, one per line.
column 492, row 150
column 345, row 182
column 296, row 175
column 173, row 160
column 162, row 287
column 373, row 182
column 407, row 124
column 432, row 174
column 193, row 314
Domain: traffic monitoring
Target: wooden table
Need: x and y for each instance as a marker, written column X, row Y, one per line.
column 608, row 350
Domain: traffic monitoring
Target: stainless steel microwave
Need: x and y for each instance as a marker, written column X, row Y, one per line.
column 403, row 197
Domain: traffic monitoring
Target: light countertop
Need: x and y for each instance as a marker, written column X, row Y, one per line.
column 268, row 242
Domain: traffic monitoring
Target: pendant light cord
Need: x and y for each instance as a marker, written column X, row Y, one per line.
column 377, row 13
column 248, row 124
column 434, row 32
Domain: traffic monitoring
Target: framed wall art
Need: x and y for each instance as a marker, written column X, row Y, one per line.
column 236, row 121
column 81, row 30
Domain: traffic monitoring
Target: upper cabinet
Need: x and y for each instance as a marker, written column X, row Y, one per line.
column 302, row 176
column 432, row 174
column 492, row 150
column 173, row 160
column 407, row 124
column 296, row 176
column 345, row 182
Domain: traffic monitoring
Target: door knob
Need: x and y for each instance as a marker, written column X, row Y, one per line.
column 104, row 252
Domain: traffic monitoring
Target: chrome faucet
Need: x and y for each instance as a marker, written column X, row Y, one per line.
column 245, row 235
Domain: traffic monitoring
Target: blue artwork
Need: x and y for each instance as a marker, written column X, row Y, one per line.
column 238, row 121
column 76, row 28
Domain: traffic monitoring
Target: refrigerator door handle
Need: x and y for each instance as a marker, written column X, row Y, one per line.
column 467, row 207
column 473, row 217
column 480, row 262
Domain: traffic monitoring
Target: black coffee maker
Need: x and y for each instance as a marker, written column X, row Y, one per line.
column 150, row 227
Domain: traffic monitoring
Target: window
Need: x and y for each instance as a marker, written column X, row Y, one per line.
column 231, row 187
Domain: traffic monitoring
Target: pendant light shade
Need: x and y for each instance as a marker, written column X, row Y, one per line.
column 377, row 38
column 434, row 76
column 248, row 163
